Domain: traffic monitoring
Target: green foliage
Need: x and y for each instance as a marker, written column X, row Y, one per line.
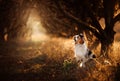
column 68, row 65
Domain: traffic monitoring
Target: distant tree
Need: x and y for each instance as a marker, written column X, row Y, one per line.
column 5, row 16
column 13, row 17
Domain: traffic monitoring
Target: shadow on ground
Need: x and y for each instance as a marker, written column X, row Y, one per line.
column 30, row 62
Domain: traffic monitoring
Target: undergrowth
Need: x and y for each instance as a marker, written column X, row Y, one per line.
column 54, row 61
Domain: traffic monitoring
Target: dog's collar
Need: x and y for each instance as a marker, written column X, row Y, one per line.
column 79, row 44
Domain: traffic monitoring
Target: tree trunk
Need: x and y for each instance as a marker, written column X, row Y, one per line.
column 106, row 45
column 104, row 48
column 1, row 36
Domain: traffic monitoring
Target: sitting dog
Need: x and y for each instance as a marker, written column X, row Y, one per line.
column 82, row 53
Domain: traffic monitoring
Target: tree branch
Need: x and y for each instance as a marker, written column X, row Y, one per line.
column 78, row 21
column 117, row 18
column 108, row 12
column 95, row 21
column 108, row 15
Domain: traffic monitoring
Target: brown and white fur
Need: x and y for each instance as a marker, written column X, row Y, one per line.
column 82, row 53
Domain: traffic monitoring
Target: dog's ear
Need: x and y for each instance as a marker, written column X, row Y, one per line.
column 81, row 35
column 74, row 38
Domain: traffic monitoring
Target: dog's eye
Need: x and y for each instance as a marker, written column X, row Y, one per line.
column 75, row 38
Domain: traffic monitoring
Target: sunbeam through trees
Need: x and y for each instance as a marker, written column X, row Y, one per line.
column 37, row 43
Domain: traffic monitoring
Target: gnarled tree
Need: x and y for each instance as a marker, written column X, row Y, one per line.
column 86, row 15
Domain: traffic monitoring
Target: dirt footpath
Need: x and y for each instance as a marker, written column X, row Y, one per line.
column 49, row 61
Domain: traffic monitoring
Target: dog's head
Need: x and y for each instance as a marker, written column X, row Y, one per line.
column 79, row 38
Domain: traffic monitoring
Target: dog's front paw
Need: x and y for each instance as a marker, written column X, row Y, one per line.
column 82, row 65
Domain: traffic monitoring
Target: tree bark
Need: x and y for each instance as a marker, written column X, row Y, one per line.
column 106, row 44
column 1, row 36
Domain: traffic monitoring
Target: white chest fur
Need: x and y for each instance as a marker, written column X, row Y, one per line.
column 81, row 50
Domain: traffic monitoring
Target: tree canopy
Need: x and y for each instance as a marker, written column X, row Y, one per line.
column 62, row 17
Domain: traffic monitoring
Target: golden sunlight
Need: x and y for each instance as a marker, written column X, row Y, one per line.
column 37, row 30
column 38, row 33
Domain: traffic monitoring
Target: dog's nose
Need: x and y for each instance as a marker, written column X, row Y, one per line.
column 94, row 56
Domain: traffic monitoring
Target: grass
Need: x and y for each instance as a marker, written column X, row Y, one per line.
column 53, row 60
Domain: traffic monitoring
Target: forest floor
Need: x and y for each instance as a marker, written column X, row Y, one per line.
column 51, row 60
